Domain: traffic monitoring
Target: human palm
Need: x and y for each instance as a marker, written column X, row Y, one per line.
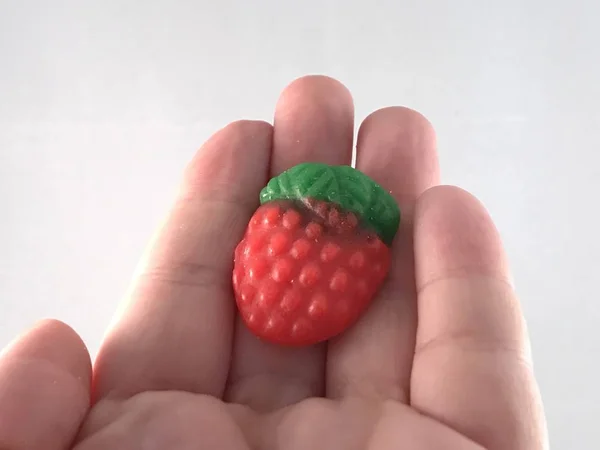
column 439, row 361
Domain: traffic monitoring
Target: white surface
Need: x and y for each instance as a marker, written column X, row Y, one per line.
column 102, row 105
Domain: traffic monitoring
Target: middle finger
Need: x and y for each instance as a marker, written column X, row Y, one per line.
column 314, row 122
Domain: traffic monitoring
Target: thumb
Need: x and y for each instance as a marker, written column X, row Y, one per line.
column 45, row 378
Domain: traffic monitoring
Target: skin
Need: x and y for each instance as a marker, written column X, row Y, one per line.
column 439, row 361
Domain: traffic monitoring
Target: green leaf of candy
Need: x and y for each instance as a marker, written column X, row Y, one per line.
column 344, row 185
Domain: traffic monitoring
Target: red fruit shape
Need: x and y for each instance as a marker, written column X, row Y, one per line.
column 308, row 266
column 296, row 287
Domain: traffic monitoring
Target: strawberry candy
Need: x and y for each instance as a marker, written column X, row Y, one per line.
column 314, row 254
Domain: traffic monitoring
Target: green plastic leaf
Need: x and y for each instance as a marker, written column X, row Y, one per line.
column 344, row 185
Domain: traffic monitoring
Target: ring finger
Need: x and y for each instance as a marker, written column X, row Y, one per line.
column 396, row 147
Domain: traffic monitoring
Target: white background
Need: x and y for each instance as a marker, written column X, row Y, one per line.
column 103, row 103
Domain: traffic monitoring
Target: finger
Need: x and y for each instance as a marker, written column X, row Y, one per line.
column 472, row 369
column 44, row 388
column 176, row 329
column 313, row 122
column 397, row 148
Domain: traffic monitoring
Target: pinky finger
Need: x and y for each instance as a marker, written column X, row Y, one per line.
column 472, row 368
column 45, row 380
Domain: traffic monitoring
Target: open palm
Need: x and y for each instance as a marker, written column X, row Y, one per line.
column 439, row 361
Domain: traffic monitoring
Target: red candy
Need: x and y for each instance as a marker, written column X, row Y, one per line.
column 304, row 272
column 314, row 254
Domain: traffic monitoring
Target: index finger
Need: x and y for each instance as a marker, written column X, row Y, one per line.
column 472, row 366
column 176, row 328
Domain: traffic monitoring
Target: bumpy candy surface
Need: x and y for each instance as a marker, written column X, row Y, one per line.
column 314, row 254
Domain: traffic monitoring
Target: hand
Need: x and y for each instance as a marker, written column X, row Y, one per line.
column 439, row 361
